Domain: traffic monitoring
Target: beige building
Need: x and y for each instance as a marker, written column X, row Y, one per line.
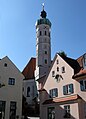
column 10, row 90
column 63, row 89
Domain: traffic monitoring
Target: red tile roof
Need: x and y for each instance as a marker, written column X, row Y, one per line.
column 28, row 71
column 82, row 72
column 62, row 99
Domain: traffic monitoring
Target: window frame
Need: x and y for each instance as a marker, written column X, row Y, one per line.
column 68, row 89
column 67, row 111
column 51, row 112
column 11, row 81
column 83, row 85
column 53, row 93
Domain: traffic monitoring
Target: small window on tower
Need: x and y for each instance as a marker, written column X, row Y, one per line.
column 40, row 33
column 45, row 33
column 49, row 34
column 45, row 52
column 45, row 61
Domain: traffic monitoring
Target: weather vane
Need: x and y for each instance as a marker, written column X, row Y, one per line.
column 43, row 5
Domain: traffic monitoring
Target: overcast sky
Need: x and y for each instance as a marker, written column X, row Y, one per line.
column 18, row 33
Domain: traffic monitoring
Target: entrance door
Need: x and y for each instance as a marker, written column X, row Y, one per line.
column 2, row 109
column 12, row 110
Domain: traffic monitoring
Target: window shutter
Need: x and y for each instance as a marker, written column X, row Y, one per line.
column 81, row 85
column 56, row 92
column 71, row 90
column 64, row 90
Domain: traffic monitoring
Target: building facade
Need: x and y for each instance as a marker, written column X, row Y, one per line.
column 63, row 94
column 10, row 90
column 29, row 88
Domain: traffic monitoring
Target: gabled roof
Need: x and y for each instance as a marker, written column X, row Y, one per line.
column 82, row 71
column 73, row 63
column 28, row 71
column 10, row 64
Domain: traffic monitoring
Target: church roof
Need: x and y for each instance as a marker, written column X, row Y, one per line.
column 28, row 71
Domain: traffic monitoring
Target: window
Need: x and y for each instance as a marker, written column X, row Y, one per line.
column 49, row 34
column 45, row 33
column 40, row 33
column 57, row 69
column 45, row 61
column 45, row 52
column 5, row 65
column 53, row 92
column 57, row 61
column 63, row 69
column 83, row 85
column 11, row 81
column 67, row 111
column 68, row 89
column 51, row 113
column 2, row 109
column 53, row 73
column 28, row 92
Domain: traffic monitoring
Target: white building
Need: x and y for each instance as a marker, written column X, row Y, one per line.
column 43, row 45
column 11, row 90
column 29, row 87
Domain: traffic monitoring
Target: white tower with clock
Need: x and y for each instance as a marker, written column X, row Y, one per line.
column 43, row 45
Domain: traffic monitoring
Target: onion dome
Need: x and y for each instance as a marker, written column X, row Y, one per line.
column 43, row 19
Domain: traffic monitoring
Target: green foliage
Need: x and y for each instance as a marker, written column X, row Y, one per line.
column 62, row 53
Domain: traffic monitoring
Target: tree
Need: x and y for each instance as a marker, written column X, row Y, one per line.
column 62, row 53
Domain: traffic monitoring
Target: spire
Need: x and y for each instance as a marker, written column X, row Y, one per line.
column 43, row 13
column 43, row 6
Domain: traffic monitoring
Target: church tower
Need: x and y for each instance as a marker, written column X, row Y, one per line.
column 43, row 45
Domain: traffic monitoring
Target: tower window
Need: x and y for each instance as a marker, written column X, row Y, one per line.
column 45, row 52
column 40, row 33
column 45, row 33
column 45, row 61
column 49, row 34
column 28, row 92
